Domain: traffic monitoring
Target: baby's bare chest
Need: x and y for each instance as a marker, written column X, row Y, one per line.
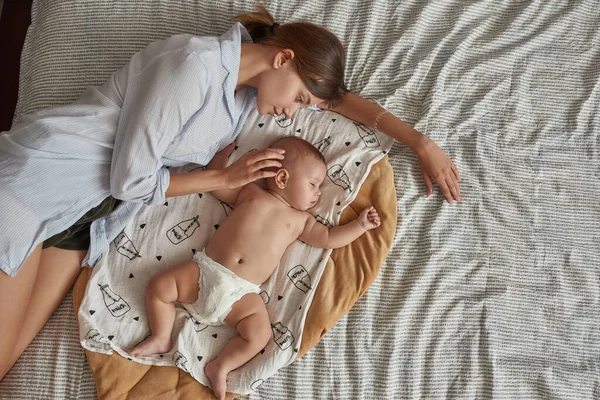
column 271, row 217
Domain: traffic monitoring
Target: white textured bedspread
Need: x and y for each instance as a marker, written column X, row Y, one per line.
column 496, row 297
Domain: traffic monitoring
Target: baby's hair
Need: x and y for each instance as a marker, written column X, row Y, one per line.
column 319, row 54
column 296, row 149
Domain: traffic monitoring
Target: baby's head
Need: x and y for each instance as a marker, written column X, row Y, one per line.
column 301, row 173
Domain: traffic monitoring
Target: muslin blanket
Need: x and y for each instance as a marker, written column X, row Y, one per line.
column 112, row 316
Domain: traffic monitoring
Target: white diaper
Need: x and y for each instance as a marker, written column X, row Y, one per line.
column 219, row 289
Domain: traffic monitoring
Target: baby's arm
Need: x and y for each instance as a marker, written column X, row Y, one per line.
column 319, row 235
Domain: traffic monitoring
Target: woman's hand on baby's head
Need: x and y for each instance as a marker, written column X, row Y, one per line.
column 251, row 166
column 369, row 219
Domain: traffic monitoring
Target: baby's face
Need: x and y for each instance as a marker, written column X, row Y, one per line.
column 303, row 189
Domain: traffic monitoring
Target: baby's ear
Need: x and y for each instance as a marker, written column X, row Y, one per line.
column 281, row 178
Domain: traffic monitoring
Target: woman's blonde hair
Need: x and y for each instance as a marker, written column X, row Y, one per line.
column 319, row 54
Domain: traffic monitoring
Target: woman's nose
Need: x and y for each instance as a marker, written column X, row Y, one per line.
column 289, row 112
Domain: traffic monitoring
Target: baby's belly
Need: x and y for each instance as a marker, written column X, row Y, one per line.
column 255, row 268
column 254, row 265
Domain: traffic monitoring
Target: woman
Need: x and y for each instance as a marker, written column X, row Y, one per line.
column 71, row 177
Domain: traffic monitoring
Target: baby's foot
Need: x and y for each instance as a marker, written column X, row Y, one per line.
column 152, row 345
column 218, row 379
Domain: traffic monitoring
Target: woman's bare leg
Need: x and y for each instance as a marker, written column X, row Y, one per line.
column 15, row 294
column 56, row 274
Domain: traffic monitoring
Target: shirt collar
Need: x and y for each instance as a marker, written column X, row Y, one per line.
column 231, row 46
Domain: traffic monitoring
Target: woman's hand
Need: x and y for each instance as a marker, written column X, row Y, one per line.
column 436, row 165
column 247, row 168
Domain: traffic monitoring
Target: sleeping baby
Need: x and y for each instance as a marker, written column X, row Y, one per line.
column 221, row 283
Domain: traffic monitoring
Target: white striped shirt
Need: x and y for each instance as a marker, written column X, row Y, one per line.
column 174, row 103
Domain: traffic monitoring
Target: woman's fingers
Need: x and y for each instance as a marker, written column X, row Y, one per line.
column 437, row 166
column 266, row 164
column 262, row 174
column 445, row 190
column 267, row 154
column 449, row 189
column 428, row 184
column 454, row 189
column 456, row 174
column 265, row 159
column 452, row 178
column 249, row 167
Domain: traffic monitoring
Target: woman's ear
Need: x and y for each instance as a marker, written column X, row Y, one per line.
column 283, row 57
column 281, row 178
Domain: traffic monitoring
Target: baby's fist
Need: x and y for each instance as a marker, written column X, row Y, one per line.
column 369, row 219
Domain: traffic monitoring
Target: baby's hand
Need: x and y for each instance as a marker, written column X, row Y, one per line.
column 369, row 219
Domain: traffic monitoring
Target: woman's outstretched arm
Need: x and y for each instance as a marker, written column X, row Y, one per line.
column 434, row 162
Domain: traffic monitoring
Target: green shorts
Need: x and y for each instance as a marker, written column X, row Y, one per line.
column 77, row 237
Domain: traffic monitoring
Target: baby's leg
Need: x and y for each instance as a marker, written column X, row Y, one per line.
column 249, row 317
column 178, row 283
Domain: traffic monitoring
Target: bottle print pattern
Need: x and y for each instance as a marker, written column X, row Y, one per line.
column 183, row 230
column 115, row 304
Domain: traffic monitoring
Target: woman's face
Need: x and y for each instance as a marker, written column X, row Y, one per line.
column 281, row 91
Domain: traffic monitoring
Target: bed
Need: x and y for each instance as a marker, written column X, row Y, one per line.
column 495, row 297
